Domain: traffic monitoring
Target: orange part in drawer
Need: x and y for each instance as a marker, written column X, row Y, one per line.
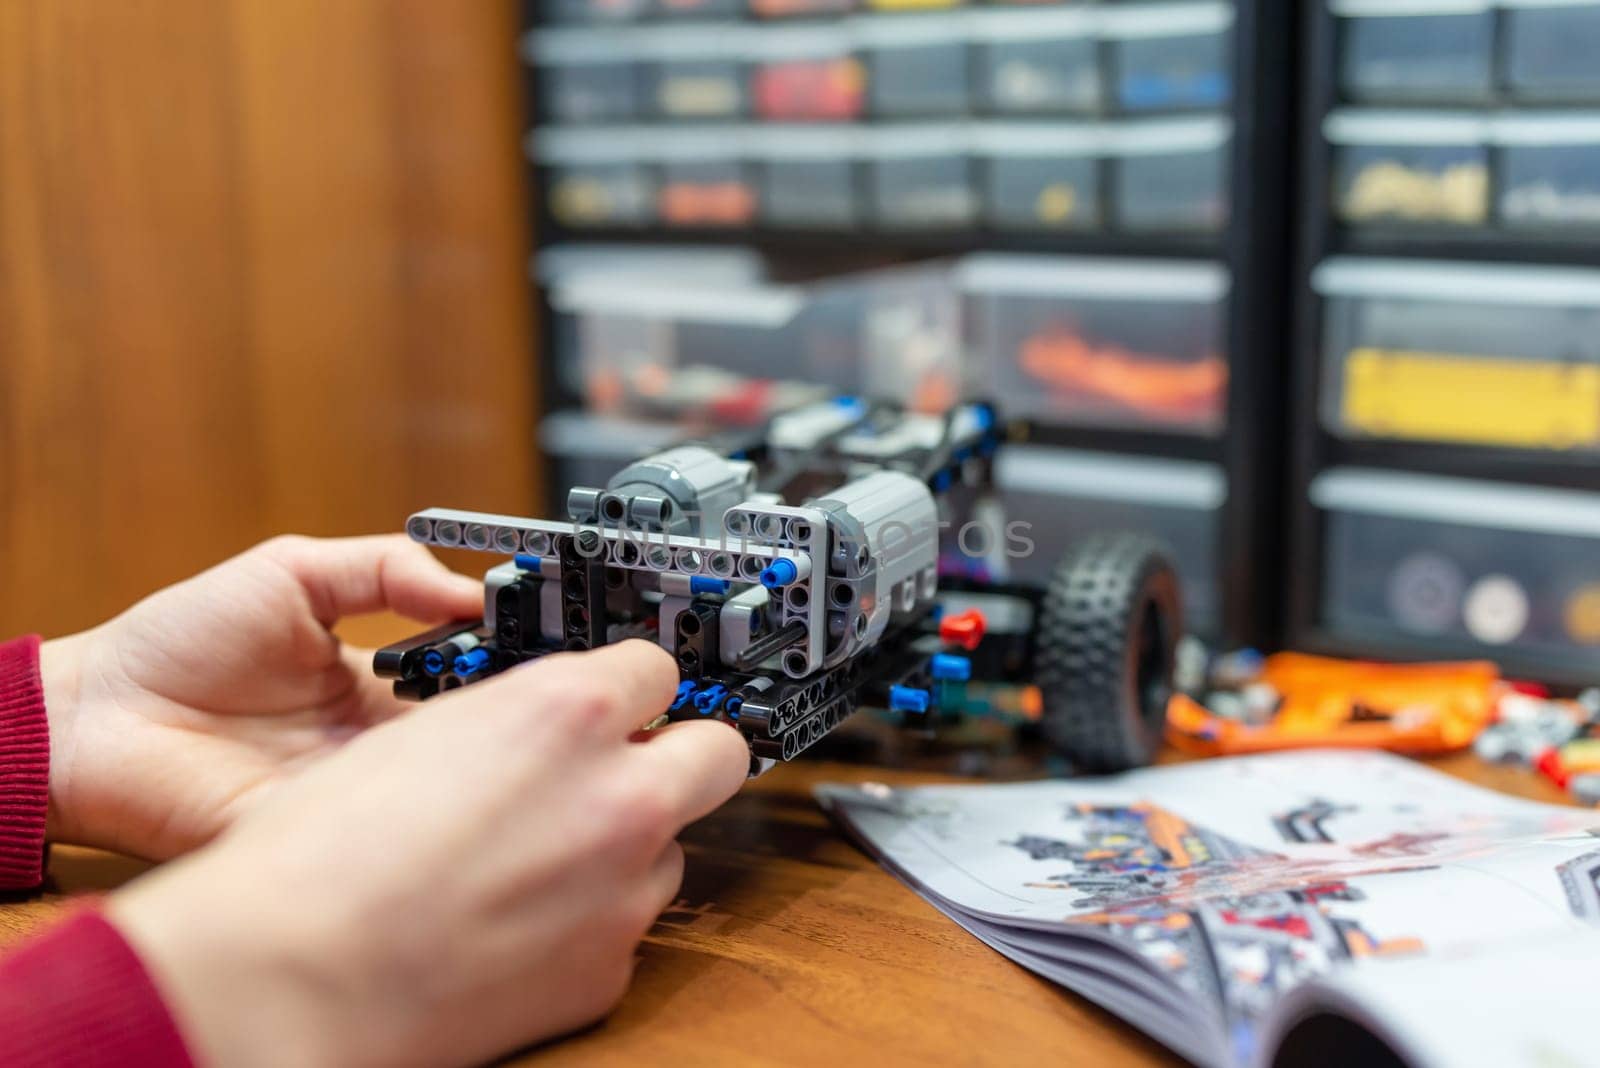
column 1065, row 361
column 707, row 204
column 1477, row 400
column 1415, row 708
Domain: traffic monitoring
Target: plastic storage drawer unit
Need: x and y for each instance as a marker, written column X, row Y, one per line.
column 1083, row 341
column 600, row 194
column 585, row 74
column 809, row 177
column 1504, row 356
column 589, row 92
column 1416, row 51
column 596, row 10
column 1482, row 565
column 917, row 68
column 1037, row 61
column 1040, row 176
column 911, row 339
column 697, row 8
column 675, row 339
column 702, row 351
column 1063, row 495
column 805, row 74
column 1549, row 170
column 1172, row 57
column 920, row 177
column 1551, row 50
column 705, row 192
column 1400, row 168
column 592, row 180
column 1170, row 174
column 696, row 89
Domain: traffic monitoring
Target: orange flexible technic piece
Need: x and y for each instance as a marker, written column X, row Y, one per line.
column 1417, row 708
column 1063, row 360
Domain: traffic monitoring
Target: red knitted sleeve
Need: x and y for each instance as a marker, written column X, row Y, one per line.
column 77, row 997
column 24, row 765
column 74, row 995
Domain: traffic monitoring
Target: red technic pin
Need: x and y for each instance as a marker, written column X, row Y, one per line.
column 964, row 629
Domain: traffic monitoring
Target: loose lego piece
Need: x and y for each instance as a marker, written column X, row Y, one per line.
column 1298, row 701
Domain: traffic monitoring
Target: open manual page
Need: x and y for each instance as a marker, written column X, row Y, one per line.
column 1191, row 901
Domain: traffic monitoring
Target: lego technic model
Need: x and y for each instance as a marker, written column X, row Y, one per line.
column 796, row 576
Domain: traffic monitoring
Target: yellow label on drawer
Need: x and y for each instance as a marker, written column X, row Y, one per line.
column 1477, row 400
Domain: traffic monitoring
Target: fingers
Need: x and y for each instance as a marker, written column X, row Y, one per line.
column 698, row 764
column 665, row 878
column 349, row 576
column 607, row 693
column 371, row 699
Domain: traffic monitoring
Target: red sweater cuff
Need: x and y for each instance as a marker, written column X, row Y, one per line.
column 24, row 765
column 77, row 997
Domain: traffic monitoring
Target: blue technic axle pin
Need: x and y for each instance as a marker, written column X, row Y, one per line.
column 433, row 662
column 685, row 691
column 706, row 700
column 526, row 562
column 908, row 699
column 699, row 584
column 947, row 667
column 472, row 661
column 778, row 574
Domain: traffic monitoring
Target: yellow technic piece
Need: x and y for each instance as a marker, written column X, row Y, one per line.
column 1581, row 757
column 1055, row 203
column 1481, row 400
column 582, row 200
column 1387, row 189
column 698, row 96
column 1583, row 615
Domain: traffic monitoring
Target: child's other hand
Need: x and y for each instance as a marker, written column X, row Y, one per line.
column 172, row 719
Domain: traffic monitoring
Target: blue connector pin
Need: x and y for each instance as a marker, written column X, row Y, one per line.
column 526, row 562
column 707, row 699
column 948, row 667
column 699, row 584
column 908, row 699
column 778, row 574
column 471, row 662
column 685, row 691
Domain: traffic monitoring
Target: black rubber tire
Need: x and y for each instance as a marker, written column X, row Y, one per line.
column 1104, row 651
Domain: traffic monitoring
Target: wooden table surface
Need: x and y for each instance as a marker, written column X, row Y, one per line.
column 789, row 946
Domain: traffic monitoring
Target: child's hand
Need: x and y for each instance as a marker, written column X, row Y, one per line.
column 172, row 719
column 462, row 880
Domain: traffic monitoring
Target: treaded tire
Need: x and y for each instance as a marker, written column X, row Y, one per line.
column 1104, row 651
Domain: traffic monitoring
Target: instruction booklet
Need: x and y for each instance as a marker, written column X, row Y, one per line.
column 1260, row 909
